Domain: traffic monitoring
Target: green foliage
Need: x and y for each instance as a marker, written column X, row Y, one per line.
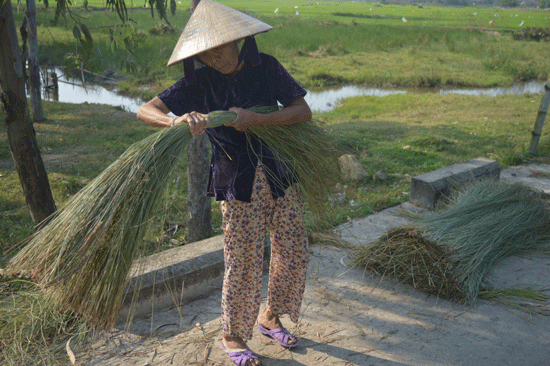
column 532, row 34
column 507, row 3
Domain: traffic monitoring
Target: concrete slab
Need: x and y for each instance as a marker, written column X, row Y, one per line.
column 536, row 176
column 427, row 188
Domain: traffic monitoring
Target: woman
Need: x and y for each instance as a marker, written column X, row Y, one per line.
column 256, row 191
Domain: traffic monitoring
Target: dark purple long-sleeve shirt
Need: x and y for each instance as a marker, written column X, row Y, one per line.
column 233, row 163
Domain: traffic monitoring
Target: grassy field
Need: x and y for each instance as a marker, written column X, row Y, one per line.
column 400, row 135
column 328, row 43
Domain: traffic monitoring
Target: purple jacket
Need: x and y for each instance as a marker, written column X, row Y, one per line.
column 233, row 163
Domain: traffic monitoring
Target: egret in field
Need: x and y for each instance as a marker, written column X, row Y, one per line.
column 520, row 24
column 276, row 11
column 404, row 20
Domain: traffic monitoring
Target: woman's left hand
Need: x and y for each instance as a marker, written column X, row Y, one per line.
column 245, row 119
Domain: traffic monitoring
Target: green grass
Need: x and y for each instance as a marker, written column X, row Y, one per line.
column 401, row 135
column 329, row 43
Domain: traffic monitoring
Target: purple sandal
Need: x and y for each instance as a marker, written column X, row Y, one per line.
column 240, row 358
column 281, row 335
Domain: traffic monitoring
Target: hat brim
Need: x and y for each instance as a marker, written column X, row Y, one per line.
column 211, row 25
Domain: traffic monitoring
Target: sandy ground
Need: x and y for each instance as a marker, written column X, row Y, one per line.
column 350, row 317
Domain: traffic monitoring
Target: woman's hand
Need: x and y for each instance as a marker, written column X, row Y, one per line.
column 198, row 122
column 245, row 119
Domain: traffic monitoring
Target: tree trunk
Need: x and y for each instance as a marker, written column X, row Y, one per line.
column 199, row 206
column 34, row 69
column 21, row 135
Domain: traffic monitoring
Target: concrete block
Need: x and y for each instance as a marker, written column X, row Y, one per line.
column 175, row 276
column 427, row 188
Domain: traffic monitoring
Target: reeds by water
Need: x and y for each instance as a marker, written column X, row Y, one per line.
column 450, row 251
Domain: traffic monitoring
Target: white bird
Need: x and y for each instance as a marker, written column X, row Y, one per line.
column 491, row 22
column 474, row 13
column 496, row 15
column 404, row 20
column 297, row 13
column 276, row 11
column 520, row 24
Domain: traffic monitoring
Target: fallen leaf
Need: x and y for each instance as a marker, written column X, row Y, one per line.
column 70, row 352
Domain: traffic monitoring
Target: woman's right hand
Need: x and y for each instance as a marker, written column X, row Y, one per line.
column 198, row 122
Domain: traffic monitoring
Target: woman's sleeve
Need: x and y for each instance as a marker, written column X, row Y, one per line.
column 286, row 89
column 178, row 98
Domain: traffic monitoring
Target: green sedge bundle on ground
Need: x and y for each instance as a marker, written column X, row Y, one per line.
column 83, row 256
column 450, row 251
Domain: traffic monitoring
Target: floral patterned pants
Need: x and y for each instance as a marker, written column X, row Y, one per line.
column 245, row 226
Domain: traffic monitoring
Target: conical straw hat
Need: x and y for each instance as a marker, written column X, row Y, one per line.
column 211, row 25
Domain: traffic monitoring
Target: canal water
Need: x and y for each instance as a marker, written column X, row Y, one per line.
column 73, row 91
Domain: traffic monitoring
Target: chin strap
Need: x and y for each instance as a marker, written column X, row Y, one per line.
column 249, row 51
column 189, row 71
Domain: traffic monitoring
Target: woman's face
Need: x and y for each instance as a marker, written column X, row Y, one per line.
column 224, row 58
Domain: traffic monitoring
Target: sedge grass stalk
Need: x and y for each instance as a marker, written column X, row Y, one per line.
column 83, row 256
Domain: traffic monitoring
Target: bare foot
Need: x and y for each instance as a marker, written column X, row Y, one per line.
column 271, row 321
column 237, row 343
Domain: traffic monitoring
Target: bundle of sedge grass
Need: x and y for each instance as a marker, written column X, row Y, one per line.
column 83, row 256
column 450, row 251
column 404, row 254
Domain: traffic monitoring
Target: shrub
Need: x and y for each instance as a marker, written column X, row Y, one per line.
column 532, row 34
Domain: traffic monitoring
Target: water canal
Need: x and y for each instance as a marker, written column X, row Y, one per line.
column 73, row 91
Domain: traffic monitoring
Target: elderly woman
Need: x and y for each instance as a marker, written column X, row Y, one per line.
column 256, row 191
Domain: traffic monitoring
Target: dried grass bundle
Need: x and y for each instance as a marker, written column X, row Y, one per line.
column 404, row 254
column 33, row 330
column 449, row 252
column 83, row 256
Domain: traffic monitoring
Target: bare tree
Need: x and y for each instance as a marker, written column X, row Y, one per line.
column 20, row 131
column 34, row 68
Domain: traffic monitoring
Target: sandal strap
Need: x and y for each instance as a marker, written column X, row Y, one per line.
column 240, row 358
column 281, row 335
